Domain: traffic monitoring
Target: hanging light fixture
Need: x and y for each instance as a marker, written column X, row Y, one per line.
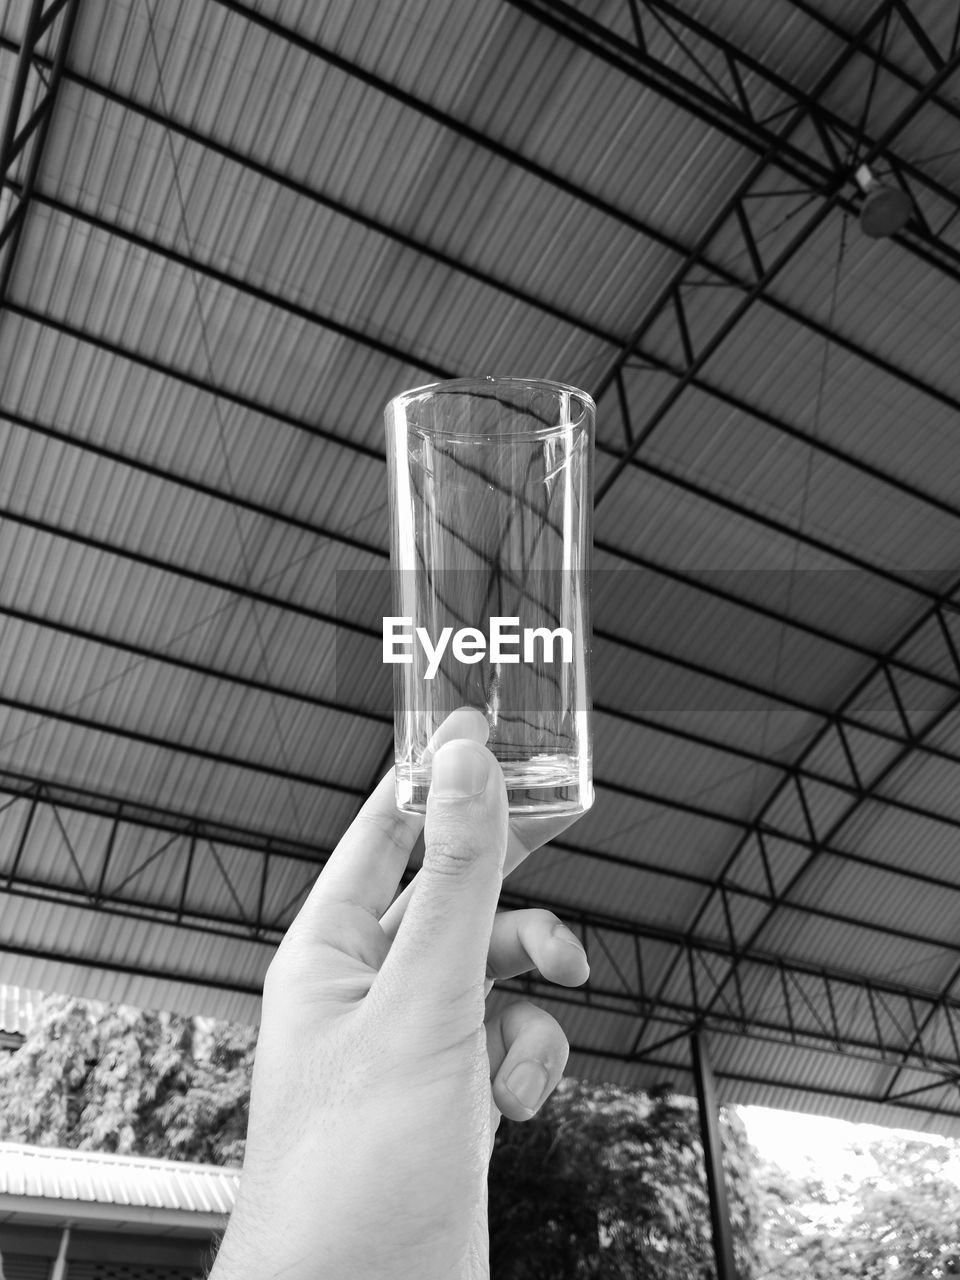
column 886, row 210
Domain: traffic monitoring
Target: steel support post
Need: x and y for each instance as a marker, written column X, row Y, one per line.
column 59, row 1271
column 713, row 1158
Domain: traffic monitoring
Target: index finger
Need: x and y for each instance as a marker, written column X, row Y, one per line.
column 366, row 866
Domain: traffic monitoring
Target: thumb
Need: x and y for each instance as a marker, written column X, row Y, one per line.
column 440, row 951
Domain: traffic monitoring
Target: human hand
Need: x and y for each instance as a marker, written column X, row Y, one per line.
column 377, row 1086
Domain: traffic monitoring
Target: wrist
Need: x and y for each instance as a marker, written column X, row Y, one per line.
column 251, row 1251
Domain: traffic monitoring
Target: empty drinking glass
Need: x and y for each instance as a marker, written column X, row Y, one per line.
column 491, row 504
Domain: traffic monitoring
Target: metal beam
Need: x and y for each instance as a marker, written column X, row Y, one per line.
column 265, row 767
column 113, row 966
column 803, row 1024
column 375, row 551
column 678, row 373
column 728, row 109
column 882, row 60
column 756, row 826
column 701, row 583
column 111, row 898
column 516, row 158
column 848, row 720
column 921, row 1028
column 810, row 1020
column 832, row 719
column 671, row 1067
column 660, row 473
column 716, row 392
column 318, row 197
column 134, row 357
column 715, row 110
column 709, row 1113
column 728, row 211
column 28, row 137
column 144, row 816
column 771, row 830
column 674, row 480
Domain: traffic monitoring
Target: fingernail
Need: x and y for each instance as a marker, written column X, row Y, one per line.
column 563, row 934
column 460, row 769
column 527, row 1083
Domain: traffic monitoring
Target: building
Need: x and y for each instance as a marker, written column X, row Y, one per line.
column 84, row 1215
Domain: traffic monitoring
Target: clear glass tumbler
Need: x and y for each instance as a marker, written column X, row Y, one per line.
column 491, row 509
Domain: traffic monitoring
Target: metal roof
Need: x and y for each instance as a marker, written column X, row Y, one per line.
column 53, row 1184
column 230, row 232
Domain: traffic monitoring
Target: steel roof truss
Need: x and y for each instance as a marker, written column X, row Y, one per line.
column 114, row 814
column 728, row 214
column 904, row 1095
column 692, row 1003
column 29, row 138
column 148, row 817
column 878, row 56
column 231, row 889
column 791, row 775
column 330, row 535
column 187, row 871
column 140, row 867
column 729, row 109
column 24, row 836
column 426, row 249
column 686, row 373
column 815, row 1024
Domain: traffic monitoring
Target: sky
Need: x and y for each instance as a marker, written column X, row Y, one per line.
column 796, row 1142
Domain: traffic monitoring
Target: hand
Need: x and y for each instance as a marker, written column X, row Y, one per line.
column 377, row 1087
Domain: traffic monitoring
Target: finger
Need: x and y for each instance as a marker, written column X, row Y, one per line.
column 528, row 1052
column 366, row 866
column 536, row 939
column 465, row 722
column 440, row 949
column 536, row 832
column 517, row 852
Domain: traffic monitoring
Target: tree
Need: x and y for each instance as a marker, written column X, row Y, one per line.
column 900, row 1221
column 605, row 1184
column 801, row 1234
column 602, row 1184
column 909, row 1211
column 114, row 1078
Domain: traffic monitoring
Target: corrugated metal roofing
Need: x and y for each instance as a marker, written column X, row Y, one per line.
column 254, row 223
column 127, row 1181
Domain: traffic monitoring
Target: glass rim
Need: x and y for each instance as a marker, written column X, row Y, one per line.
column 455, row 385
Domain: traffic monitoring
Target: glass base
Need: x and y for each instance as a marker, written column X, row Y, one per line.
column 545, row 785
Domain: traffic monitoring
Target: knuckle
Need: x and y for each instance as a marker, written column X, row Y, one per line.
column 538, row 918
column 534, row 1033
column 450, row 851
column 390, row 827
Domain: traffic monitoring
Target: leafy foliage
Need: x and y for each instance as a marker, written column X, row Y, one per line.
column 898, row 1222
column 607, row 1184
column 602, row 1185
column 114, row 1078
